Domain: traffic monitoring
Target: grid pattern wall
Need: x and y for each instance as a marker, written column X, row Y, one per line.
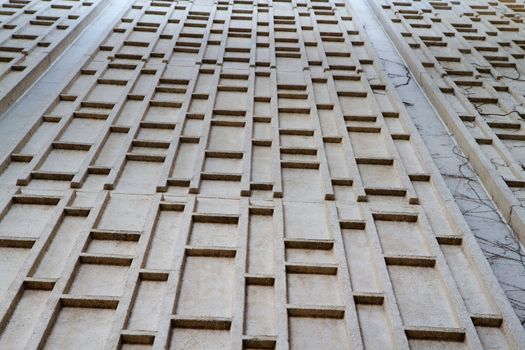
column 237, row 175
column 33, row 33
column 471, row 55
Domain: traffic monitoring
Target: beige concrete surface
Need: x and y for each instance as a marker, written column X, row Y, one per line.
column 236, row 175
column 468, row 57
column 34, row 33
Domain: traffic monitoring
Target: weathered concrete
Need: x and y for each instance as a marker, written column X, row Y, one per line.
column 236, row 176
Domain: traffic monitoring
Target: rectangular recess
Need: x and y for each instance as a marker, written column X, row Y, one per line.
column 371, row 318
column 318, row 333
column 191, row 338
column 147, row 306
column 305, row 221
column 57, row 252
column 139, row 177
column 207, row 287
column 80, row 328
column 124, row 212
column 363, row 274
column 401, row 238
column 164, row 236
column 23, row 319
column 25, row 219
column 63, row 161
column 260, row 310
column 313, row 289
column 99, row 280
column 260, row 256
column 430, row 306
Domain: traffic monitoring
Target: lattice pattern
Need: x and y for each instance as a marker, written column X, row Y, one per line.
column 237, row 175
column 34, row 33
column 472, row 54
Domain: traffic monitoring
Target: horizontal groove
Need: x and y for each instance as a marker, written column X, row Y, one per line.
column 228, row 122
column 262, row 142
column 260, row 210
column 293, row 96
column 39, row 283
column 395, row 216
column 154, row 275
column 221, row 176
column 261, row 186
column 486, row 320
column 316, row 269
column 297, row 150
column 449, row 240
column 364, row 129
column 419, row 177
column 305, row 110
column 342, row 181
column 25, row 158
column 171, row 206
column 51, row 175
column 17, row 242
column 515, row 183
column 91, row 115
column 106, row 259
column 375, row 161
column 77, row 211
column 360, row 94
column 368, row 298
column 99, row 170
column 297, row 132
column 316, row 311
column 435, row 333
column 150, row 143
column 219, row 252
column 35, row 199
column 319, row 244
column 99, row 302
column 385, row 191
column 259, row 342
column 216, row 218
column 146, row 157
column 483, row 140
column 178, row 182
column 259, row 280
column 511, row 137
column 161, row 103
column 201, row 322
column 137, row 337
column 51, row 118
column 189, row 139
column 299, row 164
column 352, row 224
column 361, row 118
column 114, row 235
column 410, row 260
column 225, row 154
column 157, row 125
column 96, row 104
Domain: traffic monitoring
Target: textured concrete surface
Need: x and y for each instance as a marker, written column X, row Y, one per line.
column 499, row 243
column 248, row 175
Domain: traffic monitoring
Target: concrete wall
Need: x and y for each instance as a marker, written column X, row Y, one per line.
column 234, row 176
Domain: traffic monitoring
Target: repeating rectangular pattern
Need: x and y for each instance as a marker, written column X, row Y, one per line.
column 237, row 175
column 469, row 58
column 34, row 33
